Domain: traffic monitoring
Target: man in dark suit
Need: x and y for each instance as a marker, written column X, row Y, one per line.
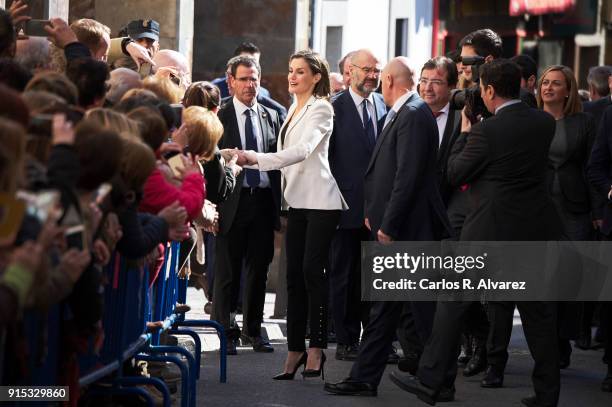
column 248, row 217
column 357, row 113
column 598, row 172
column 504, row 159
column 402, row 202
column 599, row 81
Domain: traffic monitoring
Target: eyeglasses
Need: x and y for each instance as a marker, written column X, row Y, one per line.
column 434, row 82
column 367, row 70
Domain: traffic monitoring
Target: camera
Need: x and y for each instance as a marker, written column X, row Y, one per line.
column 470, row 97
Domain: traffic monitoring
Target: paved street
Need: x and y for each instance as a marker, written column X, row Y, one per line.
column 250, row 384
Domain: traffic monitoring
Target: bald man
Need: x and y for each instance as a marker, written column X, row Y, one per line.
column 402, row 203
column 167, row 58
column 358, row 114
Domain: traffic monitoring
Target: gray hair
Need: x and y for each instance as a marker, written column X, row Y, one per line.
column 122, row 80
column 598, row 79
column 33, row 53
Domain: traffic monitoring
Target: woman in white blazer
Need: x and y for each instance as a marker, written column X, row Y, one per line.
column 314, row 202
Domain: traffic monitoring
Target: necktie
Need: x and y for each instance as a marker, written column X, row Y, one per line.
column 368, row 124
column 252, row 176
column 438, row 114
column 390, row 115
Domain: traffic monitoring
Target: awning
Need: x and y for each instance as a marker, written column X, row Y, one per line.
column 536, row 7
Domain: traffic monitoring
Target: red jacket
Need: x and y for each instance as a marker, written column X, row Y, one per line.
column 159, row 193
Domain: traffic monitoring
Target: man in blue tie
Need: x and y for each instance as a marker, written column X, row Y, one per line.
column 358, row 112
column 248, row 217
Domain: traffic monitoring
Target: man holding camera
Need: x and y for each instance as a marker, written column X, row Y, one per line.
column 493, row 156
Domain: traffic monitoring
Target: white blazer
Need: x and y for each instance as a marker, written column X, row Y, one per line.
column 307, row 180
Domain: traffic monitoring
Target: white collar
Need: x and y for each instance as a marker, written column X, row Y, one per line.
column 358, row 99
column 402, row 101
column 445, row 109
column 506, row 104
column 241, row 107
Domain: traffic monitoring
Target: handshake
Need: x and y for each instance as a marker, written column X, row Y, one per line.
column 241, row 157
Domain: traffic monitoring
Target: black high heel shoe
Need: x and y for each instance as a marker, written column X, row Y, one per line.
column 316, row 372
column 291, row 375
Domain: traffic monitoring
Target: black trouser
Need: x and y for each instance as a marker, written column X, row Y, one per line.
column 606, row 325
column 380, row 332
column 250, row 238
column 438, row 366
column 347, row 310
column 309, row 236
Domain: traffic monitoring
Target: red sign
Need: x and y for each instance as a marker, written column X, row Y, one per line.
column 536, row 7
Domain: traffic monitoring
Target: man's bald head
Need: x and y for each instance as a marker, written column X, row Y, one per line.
column 397, row 79
column 365, row 72
column 171, row 58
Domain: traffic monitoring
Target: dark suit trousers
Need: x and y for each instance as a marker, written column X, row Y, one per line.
column 250, row 239
column 438, row 366
column 309, row 236
column 379, row 334
column 347, row 310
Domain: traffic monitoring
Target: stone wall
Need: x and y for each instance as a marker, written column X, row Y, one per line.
column 222, row 25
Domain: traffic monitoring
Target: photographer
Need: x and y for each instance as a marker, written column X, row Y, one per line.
column 477, row 48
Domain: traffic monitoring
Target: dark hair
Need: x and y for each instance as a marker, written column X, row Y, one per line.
column 454, row 55
column 445, row 64
column 242, row 60
column 13, row 107
column 100, row 151
column 598, row 79
column 8, row 37
column 504, row 76
column 527, row 64
column 485, row 42
column 203, row 94
column 90, row 78
column 152, row 126
column 14, row 75
column 247, row 48
column 318, row 65
column 56, row 83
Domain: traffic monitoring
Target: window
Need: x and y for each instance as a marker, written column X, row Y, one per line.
column 333, row 45
column 401, row 36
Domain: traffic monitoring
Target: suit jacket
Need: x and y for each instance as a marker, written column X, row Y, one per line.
column 578, row 195
column 267, row 102
column 269, row 125
column 350, row 153
column 307, row 181
column 401, row 188
column 597, row 108
column 599, row 169
column 451, row 132
column 504, row 159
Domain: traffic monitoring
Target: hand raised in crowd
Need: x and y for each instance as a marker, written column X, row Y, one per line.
column 113, row 232
column 74, row 262
column 210, row 217
column 101, row 252
column 232, row 164
column 169, row 147
column 228, row 153
column 60, row 33
column 466, row 124
column 190, row 166
column 62, row 130
column 139, row 54
column 51, row 234
column 18, row 12
column 174, row 214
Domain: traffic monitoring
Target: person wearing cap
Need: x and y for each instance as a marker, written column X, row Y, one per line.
column 139, row 40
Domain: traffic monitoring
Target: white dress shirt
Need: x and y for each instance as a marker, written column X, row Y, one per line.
column 442, row 119
column 240, row 108
column 358, row 100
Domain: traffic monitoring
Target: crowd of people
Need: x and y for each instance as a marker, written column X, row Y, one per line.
column 107, row 147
